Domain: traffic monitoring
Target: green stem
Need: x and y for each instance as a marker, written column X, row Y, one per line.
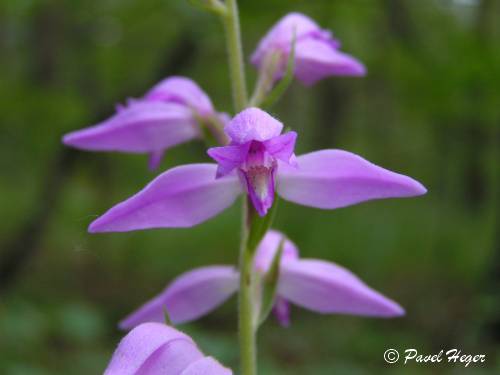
column 235, row 55
column 246, row 327
column 247, row 337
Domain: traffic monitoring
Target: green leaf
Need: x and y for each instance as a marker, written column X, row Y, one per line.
column 285, row 82
column 270, row 285
column 260, row 225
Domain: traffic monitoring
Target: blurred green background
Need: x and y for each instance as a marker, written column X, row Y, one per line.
column 429, row 108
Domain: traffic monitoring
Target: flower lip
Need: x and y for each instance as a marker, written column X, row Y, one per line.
column 259, row 182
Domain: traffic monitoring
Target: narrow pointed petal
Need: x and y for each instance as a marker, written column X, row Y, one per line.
column 282, row 147
column 140, row 127
column 184, row 91
column 206, row 366
column 155, row 159
column 228, row 158
column 331, row 179
column 180, row 197
column 253, row 124
column 140, row 344
column 281, row 311
column 317, row 59
column 188, row 297
column 325, row 287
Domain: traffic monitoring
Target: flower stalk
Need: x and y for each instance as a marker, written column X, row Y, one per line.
column 247, row 339
column 246, row 327
column 235, row 55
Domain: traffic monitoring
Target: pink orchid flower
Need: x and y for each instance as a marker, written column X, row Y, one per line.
column 169, row 114
column 317, row 285
column 157, row 349
column 317, row 53
column 258, row 161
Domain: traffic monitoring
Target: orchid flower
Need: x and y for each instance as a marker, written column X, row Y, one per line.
column 258, row 161
column 172, row 112
column 158, row 349
column 317, row 285
column 317, row 53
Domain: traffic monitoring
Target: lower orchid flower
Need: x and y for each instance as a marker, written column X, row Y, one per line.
column 158, row 349
column 172, row 112
column 258, row 162
column 317, row 285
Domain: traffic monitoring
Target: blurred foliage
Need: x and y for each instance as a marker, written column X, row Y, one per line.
column 429, row 108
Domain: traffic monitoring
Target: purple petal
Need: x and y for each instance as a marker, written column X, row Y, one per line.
column 281, row 34
column 328, row 288
column 180, row 197
column 139, row 128
column 253, row 124
column 268, row 247
column 282, row 147
column 228, row 157
column 206, row 366
column 171, row 358
column 157, row 349
column 188, row 297
column 331, row 179
column 317, row 59
column 141, row 343
column 183, row 91
column 281, row 311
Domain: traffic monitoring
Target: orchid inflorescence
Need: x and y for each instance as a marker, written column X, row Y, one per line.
column 255, row 158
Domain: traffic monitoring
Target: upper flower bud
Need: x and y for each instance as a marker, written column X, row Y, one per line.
column 317, row 53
